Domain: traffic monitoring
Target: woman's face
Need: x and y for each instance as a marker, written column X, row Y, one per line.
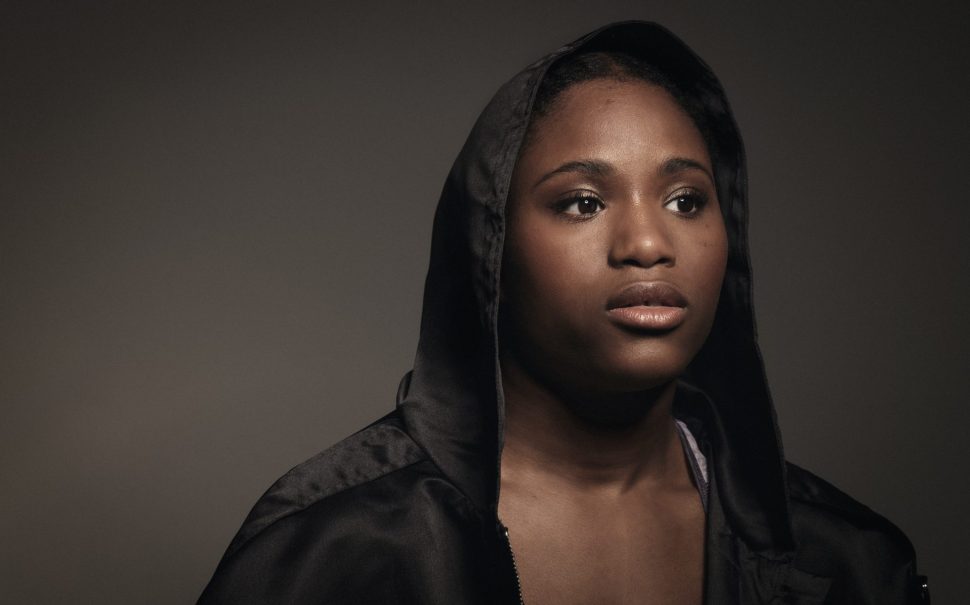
column 615, row 246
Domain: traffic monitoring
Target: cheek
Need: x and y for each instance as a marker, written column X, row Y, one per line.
column 544, row 266
column 715, row 251
column 709, row 263
column 701, row 252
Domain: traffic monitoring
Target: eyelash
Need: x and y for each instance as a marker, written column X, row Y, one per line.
column 699, row 200
column 572, row 200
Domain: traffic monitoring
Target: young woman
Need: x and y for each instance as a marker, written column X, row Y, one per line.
column 587, row 419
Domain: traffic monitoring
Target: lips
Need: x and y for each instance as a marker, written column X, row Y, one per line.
column 647, row 294
column 651, row 306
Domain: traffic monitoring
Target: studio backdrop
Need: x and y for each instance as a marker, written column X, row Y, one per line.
column 215, row 222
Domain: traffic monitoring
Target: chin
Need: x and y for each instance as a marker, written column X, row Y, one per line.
column 640, row 380
column 642, row 369
column 623, row 376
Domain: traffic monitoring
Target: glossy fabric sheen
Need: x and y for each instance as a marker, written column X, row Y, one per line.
column 405, row 511
column 403, row 534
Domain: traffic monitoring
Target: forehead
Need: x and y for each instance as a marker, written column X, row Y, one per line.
column 622, row 119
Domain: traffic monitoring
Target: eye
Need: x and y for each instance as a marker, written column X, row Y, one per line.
column 583, row 205
column 687, row 203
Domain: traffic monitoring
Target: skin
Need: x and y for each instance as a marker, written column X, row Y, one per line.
column 595, row 487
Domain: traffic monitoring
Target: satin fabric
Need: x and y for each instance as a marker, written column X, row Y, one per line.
column 405, row 511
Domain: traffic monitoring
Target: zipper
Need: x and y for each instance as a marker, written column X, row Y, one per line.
column 515, row 569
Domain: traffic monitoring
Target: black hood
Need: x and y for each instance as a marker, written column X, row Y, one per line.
column 452, row 402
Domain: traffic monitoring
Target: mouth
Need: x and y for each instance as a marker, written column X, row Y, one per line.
column 650, row 306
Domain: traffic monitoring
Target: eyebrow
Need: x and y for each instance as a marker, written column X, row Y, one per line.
column 599, row 168
column 585, row 167
column 680, row 164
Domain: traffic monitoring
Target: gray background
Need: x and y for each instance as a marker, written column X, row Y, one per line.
column 215, row 224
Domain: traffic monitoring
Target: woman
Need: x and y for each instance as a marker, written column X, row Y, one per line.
column 587, row 419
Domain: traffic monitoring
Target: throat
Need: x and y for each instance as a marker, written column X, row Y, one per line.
column 599, row 512
column 548, row 438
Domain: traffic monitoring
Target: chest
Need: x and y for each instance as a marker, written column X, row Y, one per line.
column 639, row 551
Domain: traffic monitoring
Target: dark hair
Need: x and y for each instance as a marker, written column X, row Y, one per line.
column 611, row 65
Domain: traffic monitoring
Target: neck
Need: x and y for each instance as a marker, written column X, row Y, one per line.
column 545, row 435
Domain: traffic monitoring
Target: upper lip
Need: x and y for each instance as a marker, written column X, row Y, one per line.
column 651, row 294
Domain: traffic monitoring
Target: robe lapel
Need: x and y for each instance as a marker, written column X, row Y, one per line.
column 722, row 580
column 734, row 575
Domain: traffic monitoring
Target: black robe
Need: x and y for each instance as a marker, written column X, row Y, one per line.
column 405, row 511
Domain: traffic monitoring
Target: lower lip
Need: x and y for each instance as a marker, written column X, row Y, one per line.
column 648, row 318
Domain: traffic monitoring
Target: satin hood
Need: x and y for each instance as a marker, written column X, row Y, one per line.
column 452, row 401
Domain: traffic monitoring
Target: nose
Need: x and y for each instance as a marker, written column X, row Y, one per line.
column 640, row 238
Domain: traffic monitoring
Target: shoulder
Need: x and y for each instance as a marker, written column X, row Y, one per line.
column 333, row 525
column 817, row 505
column 839, row 537
column 368, row 456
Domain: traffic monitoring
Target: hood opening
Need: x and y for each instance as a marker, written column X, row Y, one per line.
column 452, row 401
